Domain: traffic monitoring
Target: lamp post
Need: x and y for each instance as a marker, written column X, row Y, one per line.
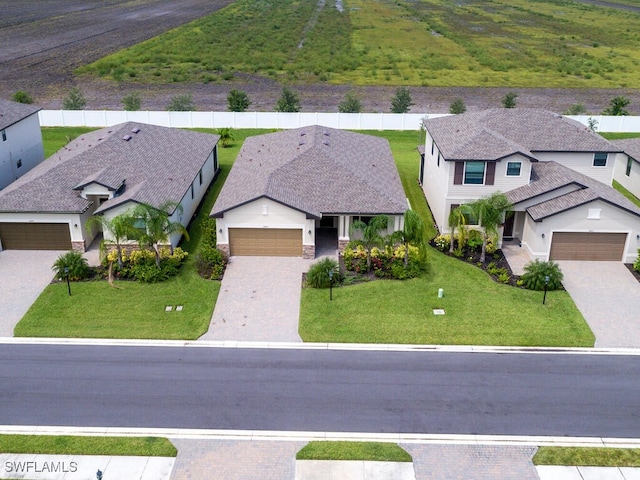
column 66, row 274
column 546, row 282
column 331, row 284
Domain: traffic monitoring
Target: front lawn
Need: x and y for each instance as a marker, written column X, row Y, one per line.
column 365, row 451
column 594, row 457
column 132, row 309
column 478, row 311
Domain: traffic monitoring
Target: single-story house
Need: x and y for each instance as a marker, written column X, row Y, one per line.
column 291, row 189
column 556, row 171
column 627, row 172
column 20, row 140
column 106, row 172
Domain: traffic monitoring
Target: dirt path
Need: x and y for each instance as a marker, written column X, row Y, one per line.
column 43, row 42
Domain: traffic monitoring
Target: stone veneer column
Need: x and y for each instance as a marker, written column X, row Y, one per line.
column 78, row 246
column 342, row 244
column 224, row 248
column 309, row 252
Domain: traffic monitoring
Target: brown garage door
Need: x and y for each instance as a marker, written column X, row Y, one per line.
column 268, row 242
column 35, row 236
column 587, row 246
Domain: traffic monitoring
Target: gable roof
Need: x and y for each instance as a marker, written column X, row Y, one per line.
column 547, row 177
column 315, row 170
column 630, row 146
column 156, row 165
column 490, row 135
column 13, row 112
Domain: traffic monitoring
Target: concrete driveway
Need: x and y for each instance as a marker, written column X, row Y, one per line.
column 608, row 296
column 23, row 276
column 259, row 300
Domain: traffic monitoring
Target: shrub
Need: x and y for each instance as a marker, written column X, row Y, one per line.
column 617, row 106
column 350, row 104
column 442, row 242
column 474, row 239
column 181, row 103
column 509, row 100
column 74, row 100
column 289, row 101
column 355, row 257
column 132, row 102
column 318, row 274
column 535, row 273
column 72, row 265
column 210, row 262
column 457, row 106
column 385, row 263
column 636, row 264
column 141, row 264
column 22, row 97
column 238, row 101
column 401, row 101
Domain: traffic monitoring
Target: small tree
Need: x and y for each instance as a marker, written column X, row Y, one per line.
column 401, row 101
column 71, row 265
column 118, row 229
column 489, row 212
column 22, row 97
column 509, row 100
column 226, row 136
column 592, row 124
column 237, row 101
column 74, row 100
column 617, row 106
column 132, row 102
column 289, row 101
column 536, row 272
column 371, row 234
column 457, row 219
column 457, row 106
column 181, row 103
column 576, row 109
column 350, row 104
column 413, row 233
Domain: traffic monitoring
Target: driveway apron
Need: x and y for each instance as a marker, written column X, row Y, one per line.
column 23, row 277
column 608, row 296
column 259, row 300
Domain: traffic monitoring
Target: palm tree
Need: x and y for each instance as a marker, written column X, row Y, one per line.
column 457, row 219
column 489, row 212
column 157, row 225
column 226, row 137
column 371, row 233
column 118, row 228
column 412, row 233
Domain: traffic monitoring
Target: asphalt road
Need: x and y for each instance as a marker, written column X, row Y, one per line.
column 318, row 390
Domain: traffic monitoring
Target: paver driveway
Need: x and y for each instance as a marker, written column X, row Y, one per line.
column 23, row 276
column 259, row 300
column 608, row 296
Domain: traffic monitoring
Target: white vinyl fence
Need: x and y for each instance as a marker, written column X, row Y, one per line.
column 278, row 120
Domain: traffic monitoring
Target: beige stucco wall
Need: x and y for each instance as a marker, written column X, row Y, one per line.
column 582, row 163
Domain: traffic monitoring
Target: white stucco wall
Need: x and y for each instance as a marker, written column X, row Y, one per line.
column 631, row 182
column 24, row 143
column 582, row 163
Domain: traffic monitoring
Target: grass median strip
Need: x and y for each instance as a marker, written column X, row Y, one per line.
column 588, row 457
column 79, row 445
column 366, row 451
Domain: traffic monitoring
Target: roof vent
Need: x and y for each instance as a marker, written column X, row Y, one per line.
column 302, row 134
column 135, row 130
column 126, row 138
column 326, row 133
column 326, row 142
column 301, row 143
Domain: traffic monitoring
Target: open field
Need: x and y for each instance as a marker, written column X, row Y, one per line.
column 44, row 44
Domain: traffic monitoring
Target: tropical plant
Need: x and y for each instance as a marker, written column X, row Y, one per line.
column 576, row 109
column 509, row 100
column 536, row 273
column 401, row 101
column 489, row 212
column 319, row 275
column 210, row 261
column 457, row 106
column 118, row 229
column 636, row 264
column 592, row 124
column 413, row 232
column 157, row 227
column 181, row 103
column 289, row 101
column 350, row 104
column 132, row 102
column 226, row 136
column 71, row 265
column 22, row 97
column 457, row 220
column 371, row 233
column 617, row 106
column 74, row 100
column 238, row 101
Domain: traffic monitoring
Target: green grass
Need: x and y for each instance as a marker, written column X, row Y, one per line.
column 367, row 451
column 626, row 193
column 54, row 138
column 513, row 43
column 479, row 311
column 78, row 445
column 596, row 457
column 132, row 309
column 619, row 135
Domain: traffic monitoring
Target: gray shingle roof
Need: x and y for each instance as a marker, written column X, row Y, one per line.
column 630, row 146
column 157, row 164
column 493, row 134
column 550, row 176
column 316, row 170
column 13, row 112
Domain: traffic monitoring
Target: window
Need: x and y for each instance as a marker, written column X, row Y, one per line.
column 4, row 135
column 200, row 176
column 513, row 169
column 140, row 224
column 629, row 163
column 192, row 191
column 365, row 220
column 19, row 163
column 438, row 159
column 474, row 173
column 433, row 145
column 600, row 160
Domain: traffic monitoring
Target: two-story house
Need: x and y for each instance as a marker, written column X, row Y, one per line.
column 627, row 171
column 555, row 171
column 20, row 140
